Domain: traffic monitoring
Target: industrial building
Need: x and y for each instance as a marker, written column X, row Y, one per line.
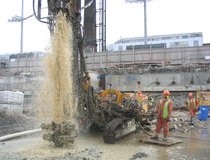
column 159, row 41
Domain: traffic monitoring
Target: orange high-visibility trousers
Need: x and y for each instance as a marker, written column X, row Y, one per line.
column 162, row 123
column 192, row 112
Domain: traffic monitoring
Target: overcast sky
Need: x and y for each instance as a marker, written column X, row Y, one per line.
column 123, row 21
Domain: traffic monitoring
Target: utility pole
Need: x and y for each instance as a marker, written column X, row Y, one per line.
column 102, row 25
column 145, row 22
column 145, row 16
column 21, row 32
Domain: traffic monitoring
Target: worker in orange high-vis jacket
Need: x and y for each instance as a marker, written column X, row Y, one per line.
column 164, row 111
column 192, row 106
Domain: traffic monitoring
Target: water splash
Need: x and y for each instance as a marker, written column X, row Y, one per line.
column 56, row 97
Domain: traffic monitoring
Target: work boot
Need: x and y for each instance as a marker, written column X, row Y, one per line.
column 156, row 137
column 191, row 121
column 165, row 138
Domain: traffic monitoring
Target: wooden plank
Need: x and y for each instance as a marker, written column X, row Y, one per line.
column 169, row 142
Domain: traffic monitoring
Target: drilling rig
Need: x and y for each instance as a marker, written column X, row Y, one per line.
column 63, row 133
column 96, row 109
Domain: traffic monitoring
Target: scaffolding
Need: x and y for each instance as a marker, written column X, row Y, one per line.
column 101, row 25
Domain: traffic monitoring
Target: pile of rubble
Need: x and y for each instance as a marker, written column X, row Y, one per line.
column 178, row 99
column 180, row 121
column 139, row 155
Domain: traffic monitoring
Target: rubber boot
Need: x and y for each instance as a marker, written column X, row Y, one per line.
column 191, row 121
column 156, row 137
column 165, row 138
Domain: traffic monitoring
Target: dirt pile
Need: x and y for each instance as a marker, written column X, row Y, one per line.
column 11, row 119
column 12, row 123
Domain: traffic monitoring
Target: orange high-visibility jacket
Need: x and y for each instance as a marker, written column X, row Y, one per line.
column 192, row 103
column 160, row 108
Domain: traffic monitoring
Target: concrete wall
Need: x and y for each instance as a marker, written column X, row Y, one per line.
column 24, row 73
column 172, row 56
column 183, row 81
column 27, row 85
column 99, row 60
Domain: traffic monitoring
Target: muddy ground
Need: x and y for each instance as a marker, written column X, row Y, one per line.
column 91, row 147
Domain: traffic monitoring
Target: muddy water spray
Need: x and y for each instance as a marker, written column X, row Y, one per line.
column 56, row 95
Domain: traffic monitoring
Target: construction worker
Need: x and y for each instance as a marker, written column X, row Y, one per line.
column 86, row 82
column 192, row 106
column 139, row 98
column 151, row 103
column 139, row 95
column 164, row 111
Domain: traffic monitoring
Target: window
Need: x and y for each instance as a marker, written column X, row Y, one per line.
column 195, row 43
column 120, row 48
column 166, row 38
column 196, row 35
column 185, row 36
column 176, row 43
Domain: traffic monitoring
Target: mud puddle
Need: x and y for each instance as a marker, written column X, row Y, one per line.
column 92, row 147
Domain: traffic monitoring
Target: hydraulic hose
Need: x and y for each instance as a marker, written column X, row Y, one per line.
column 140, row 125
column 36, row 14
